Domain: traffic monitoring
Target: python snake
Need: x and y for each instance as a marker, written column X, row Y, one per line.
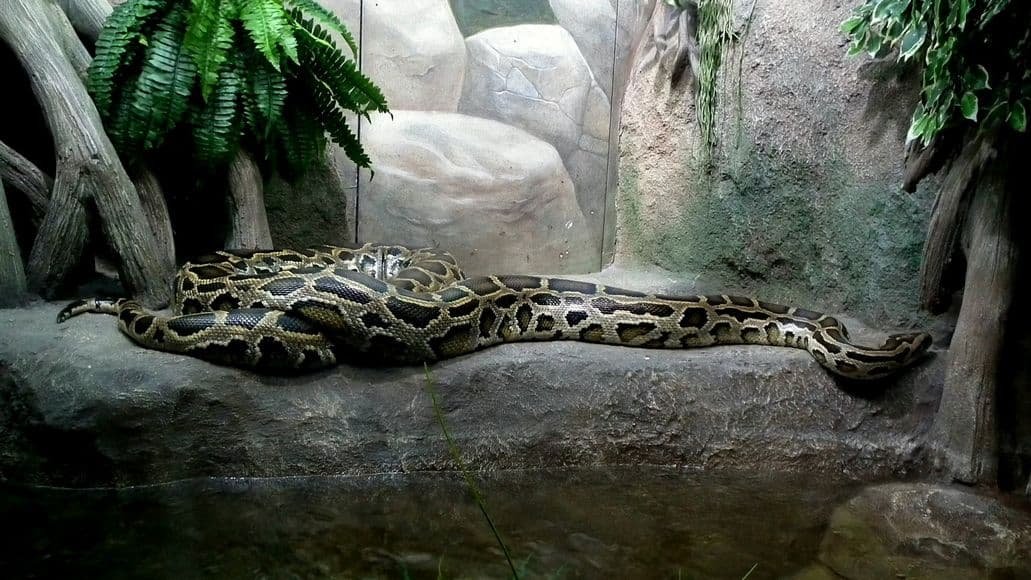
column 289, row 311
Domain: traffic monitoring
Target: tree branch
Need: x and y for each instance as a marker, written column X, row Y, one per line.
column 23, row 175
column 12, row 274
column 924, row 161
column 88, row 167
column 156, row 209
column 965, row 426
column 86, row 16
column 947, row 221
column 248, row 222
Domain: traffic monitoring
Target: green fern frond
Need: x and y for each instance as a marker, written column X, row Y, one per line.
column 209, row 36
column 165, row 83
column 325, row 17
column 118, row 39
column 120, row 122
column 238, row 73
column 334, row 122
column 268, row 93
column 269, row 27
column 216, row 126
column 321, row 58
column 300, row 134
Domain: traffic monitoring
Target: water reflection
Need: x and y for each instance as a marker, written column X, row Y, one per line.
column 617, row 522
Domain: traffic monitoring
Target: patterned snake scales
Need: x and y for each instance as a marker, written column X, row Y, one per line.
column 289, row 311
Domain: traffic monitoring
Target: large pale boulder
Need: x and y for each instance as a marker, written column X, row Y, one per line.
column 413, row 50
column 498, row 197
column 592, row 24
column 925, row 531
column 534, row 77
column 531, row 76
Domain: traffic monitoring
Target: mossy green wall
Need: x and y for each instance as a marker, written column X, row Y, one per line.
column 790, row 231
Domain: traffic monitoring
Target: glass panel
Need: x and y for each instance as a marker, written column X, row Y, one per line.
column 498, row 149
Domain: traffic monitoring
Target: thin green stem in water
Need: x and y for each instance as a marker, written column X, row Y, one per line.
column 456, row 455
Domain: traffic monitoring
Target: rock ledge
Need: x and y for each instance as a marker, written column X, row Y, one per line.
column 82, row 406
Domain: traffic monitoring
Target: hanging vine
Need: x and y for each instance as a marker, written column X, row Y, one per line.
column 693, row 40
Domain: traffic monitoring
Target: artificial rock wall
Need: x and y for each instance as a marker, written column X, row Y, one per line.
column 803, row 202
column 503, row 147
column 498, row 148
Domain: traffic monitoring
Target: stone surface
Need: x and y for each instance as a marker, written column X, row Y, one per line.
column 534, row 77
column 805, row 204
column 317, row 208
column 632, row 21
column 592, row 23
column 497, row 197
column 925, row 531
column 531, row 76
column 83, row 406
column 413, row 50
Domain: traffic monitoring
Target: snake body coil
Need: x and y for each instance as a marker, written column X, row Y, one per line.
column 289, row 311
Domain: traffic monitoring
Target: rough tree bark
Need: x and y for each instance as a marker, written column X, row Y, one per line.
column 87, row 17
column 12, row 275
column 965, row 427
column 248, row 222
column 88, row 169
column 152, row 198
column 947, row 223
column 23, row 175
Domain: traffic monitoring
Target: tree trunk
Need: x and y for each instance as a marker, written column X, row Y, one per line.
column 948, row 217
column 965, row 426
column 248, row 223
column 12, row 274
column 87, row 16
column 155, row 207
column 23, row 175
column 88, row 169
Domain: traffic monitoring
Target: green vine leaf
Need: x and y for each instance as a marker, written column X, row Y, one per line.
column 1018, row 117
column 912, row 41
column 974, row 53
column 968, row 105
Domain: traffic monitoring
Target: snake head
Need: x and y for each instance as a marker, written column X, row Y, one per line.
column 918, row 342
column 908, row 347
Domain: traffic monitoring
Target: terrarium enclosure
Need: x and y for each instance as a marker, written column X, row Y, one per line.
column 680, row 229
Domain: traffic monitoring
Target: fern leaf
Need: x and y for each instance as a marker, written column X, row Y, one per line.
column 321, row 58
column 118, row 39
column 301, row 136
column 120, row 123
column 327, row 18
column 334, row 122
column 216, row 126
column 269, row 27
column 209, row 36
column 165, row 83
column 268, row 93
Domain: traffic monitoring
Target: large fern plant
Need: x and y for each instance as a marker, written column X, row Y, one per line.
column 265, row 74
